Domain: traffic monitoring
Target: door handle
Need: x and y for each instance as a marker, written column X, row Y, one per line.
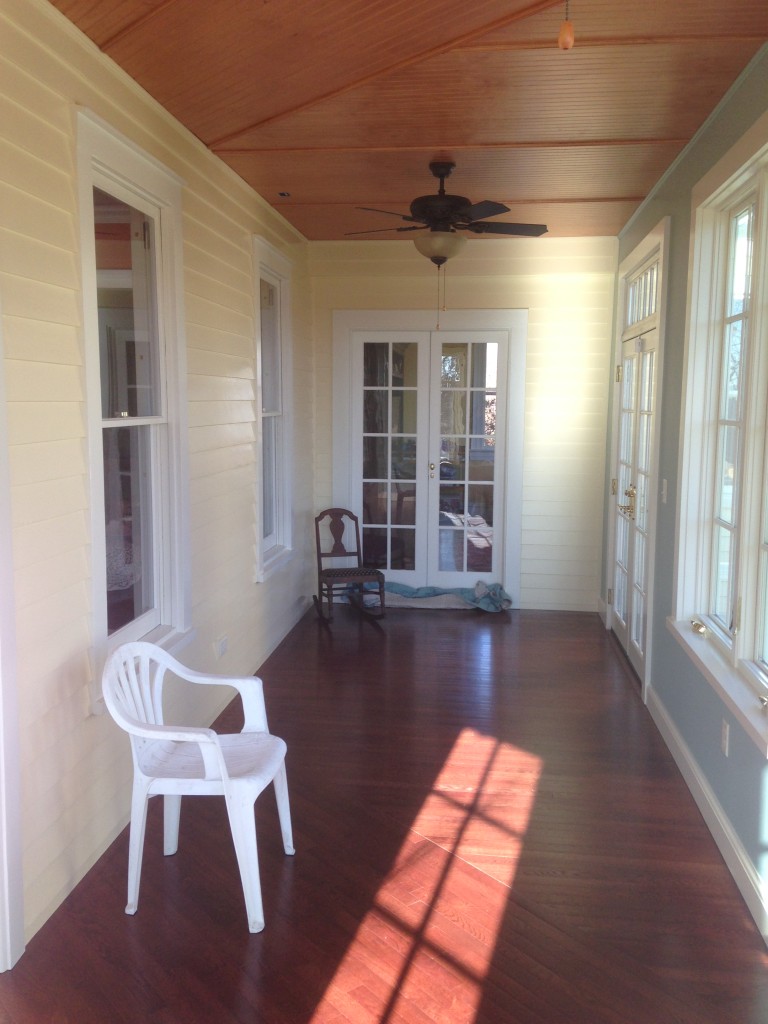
column 629, row 508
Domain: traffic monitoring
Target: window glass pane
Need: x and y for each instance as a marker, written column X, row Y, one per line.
column 741, row 263
column 127, row 307
column 270, row 347
column 731, row 391
column 728, row 442
column 128, row 517
column 723, row 555
column 269, row 474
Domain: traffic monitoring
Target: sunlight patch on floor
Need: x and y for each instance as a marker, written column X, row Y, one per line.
column 430, row 936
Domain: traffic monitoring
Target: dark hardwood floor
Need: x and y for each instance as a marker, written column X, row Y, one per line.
column 488, row 829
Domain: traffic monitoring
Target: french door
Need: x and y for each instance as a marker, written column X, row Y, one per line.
column 428, row 454
column 633, row 501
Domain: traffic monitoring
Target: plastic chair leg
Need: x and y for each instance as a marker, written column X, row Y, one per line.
column 171, row 814
column 136, row 844
column 243, row 825
column 284, row 810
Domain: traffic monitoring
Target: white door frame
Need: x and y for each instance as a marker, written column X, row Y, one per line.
column 515, row 321
column 657, row 239
column 11, row 874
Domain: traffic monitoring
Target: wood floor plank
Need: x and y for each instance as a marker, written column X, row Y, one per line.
column 489, row 830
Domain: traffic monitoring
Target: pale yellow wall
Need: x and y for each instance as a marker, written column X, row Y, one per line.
column 567, row 285
column 75, row 767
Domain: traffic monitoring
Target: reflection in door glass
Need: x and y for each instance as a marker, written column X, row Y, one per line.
column 389, row 454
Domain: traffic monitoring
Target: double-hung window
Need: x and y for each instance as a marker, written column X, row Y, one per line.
column 131, row 230
column 273, row 360
column 722, row 583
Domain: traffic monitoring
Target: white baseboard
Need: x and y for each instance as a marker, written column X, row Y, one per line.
column 745, row 874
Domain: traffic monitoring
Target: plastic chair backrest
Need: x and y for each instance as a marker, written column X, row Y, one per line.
column 133, row 684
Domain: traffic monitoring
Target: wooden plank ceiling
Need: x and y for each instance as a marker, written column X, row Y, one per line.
column 327, row 106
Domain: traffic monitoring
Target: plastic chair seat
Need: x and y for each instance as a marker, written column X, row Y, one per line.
column 253, row 755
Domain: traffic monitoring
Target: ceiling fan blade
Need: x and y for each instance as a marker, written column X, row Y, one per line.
column 378, row 231
column 390, row 213
column 481, row 227
column 486, row 208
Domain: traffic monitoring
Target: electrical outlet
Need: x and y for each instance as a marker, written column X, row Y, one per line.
column 220, row 645
column 725, row 737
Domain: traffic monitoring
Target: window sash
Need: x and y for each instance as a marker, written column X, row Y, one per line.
column 728, row 477
column 109, row 162
column 273, row 450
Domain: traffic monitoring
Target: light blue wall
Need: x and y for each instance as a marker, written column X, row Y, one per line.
column 690, row 702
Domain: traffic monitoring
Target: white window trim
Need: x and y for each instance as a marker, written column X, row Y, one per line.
column 272, row 265
column 733, row 680
column 106, row 157
column 11, row 855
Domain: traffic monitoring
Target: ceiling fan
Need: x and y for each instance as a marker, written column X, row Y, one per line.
column 443, row 215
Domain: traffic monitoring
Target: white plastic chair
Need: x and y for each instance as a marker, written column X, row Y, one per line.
column 178, row 761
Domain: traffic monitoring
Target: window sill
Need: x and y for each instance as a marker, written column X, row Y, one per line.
column 733, row 689
column 272, row 563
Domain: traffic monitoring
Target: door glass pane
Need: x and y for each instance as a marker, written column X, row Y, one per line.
column 403, row 458
column 453, row 366
column 375, row 457
column 127, row 308
column 450, row 552
column 375, row 547
column 467, row 452
column 453, row 412
column 403, row 412
column 404, row 364
column 403, row 554
column 127, row 510
column 389, row 460
column 375, row 502
column 375, row 419
column 375, row 365
column 453, row 459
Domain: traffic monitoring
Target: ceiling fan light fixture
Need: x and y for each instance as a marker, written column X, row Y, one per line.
column 440, row 246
